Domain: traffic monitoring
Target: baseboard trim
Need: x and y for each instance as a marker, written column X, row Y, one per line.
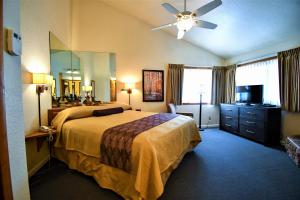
column 38, row 166
column 210, row 126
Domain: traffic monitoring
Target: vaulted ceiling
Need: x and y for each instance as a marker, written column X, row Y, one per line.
column 243, row 25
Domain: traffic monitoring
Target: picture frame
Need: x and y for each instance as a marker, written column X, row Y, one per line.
column 153, row 85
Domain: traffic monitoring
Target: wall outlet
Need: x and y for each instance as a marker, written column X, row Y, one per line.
column 209, row 118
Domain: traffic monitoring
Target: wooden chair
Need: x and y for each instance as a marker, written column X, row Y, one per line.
column 172, row 109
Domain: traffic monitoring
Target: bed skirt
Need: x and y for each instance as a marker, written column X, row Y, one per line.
column 108, row 177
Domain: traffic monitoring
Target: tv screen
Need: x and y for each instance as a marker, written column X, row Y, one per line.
column 250, row 94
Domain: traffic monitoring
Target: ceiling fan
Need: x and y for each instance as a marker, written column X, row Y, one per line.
column 186, row 19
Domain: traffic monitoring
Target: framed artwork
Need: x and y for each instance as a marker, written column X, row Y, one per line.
column 153, row 85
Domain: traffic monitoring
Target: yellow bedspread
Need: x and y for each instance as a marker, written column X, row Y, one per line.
column 155, row 152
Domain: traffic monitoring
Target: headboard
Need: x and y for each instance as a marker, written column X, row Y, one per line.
column 53, row 112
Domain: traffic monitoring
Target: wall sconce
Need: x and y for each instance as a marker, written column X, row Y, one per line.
column 41, row 81
column 128, row 88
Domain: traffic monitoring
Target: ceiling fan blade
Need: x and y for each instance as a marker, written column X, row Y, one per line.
column 180, row 34
column 164, row 26
column 208, row 7
column 205, row 24
column 171, row 9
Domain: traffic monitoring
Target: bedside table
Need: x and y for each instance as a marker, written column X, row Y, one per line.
column 40, row 136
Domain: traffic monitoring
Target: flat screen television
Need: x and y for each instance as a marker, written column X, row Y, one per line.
column 249, row 94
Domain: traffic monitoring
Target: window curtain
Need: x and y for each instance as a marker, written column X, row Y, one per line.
column 289, row 79
column 175, row 84
column 261, row 73
column 230, row 84
column 223, row 85
column 218, row 85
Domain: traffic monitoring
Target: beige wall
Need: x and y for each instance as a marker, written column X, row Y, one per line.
column 290, row 123
column 98, row 27
column 14, row 108
column 210, row 114
column 38, row 17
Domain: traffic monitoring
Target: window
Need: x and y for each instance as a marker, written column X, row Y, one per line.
column 261, row 73
column 195, row 82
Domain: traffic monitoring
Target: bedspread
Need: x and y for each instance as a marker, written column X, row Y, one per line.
column 155, row 152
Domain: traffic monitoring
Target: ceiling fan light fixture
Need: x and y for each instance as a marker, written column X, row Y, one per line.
column 180, row 34
column 186, row 19
column 185, row 23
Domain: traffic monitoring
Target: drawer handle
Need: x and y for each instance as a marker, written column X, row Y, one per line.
column 228, row 117
column 250, row 131
column 229, row 109
column 228, row 125
column 249, row 122
column 250, row 113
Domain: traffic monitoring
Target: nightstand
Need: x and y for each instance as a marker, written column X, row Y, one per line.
column 41, row 136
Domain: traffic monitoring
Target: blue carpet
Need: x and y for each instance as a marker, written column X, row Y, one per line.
column 222, row 167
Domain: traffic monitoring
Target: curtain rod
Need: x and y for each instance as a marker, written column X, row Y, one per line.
column 190, row 67
column 257, row 61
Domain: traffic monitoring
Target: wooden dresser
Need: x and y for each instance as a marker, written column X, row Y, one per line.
column 258, row 123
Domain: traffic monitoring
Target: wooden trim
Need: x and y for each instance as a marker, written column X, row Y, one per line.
column 5, row 178
column 257, row 61
column 190, row 67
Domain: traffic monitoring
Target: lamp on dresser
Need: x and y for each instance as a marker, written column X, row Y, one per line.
column 129, row 86
column 42, row 81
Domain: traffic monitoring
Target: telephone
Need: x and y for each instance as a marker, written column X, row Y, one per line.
column 45, row 129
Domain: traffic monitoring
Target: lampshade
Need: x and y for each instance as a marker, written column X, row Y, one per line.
column 42, row 79
column 49, row 79
column 39, row 78
column 87, row 88
column 129, row 85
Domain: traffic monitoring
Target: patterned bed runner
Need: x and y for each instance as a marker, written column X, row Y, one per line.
column 115, row 146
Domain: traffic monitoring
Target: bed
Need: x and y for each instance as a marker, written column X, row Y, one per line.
column 155, row 153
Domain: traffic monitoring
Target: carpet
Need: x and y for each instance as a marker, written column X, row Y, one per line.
column 222, row 167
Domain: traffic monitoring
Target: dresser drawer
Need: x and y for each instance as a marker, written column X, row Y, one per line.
column 229, row 111
column 252, row 132
column 229, row 127
column 250, row 113
column 229, row 124
column 253, row 123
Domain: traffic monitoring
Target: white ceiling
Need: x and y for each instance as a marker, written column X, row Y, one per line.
column 243, row 25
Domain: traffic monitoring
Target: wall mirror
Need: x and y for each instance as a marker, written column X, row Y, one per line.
column 74, row 70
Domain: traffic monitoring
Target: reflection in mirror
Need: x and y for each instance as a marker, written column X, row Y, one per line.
column 73, row 70
column 98, row 69
column 65, row 68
